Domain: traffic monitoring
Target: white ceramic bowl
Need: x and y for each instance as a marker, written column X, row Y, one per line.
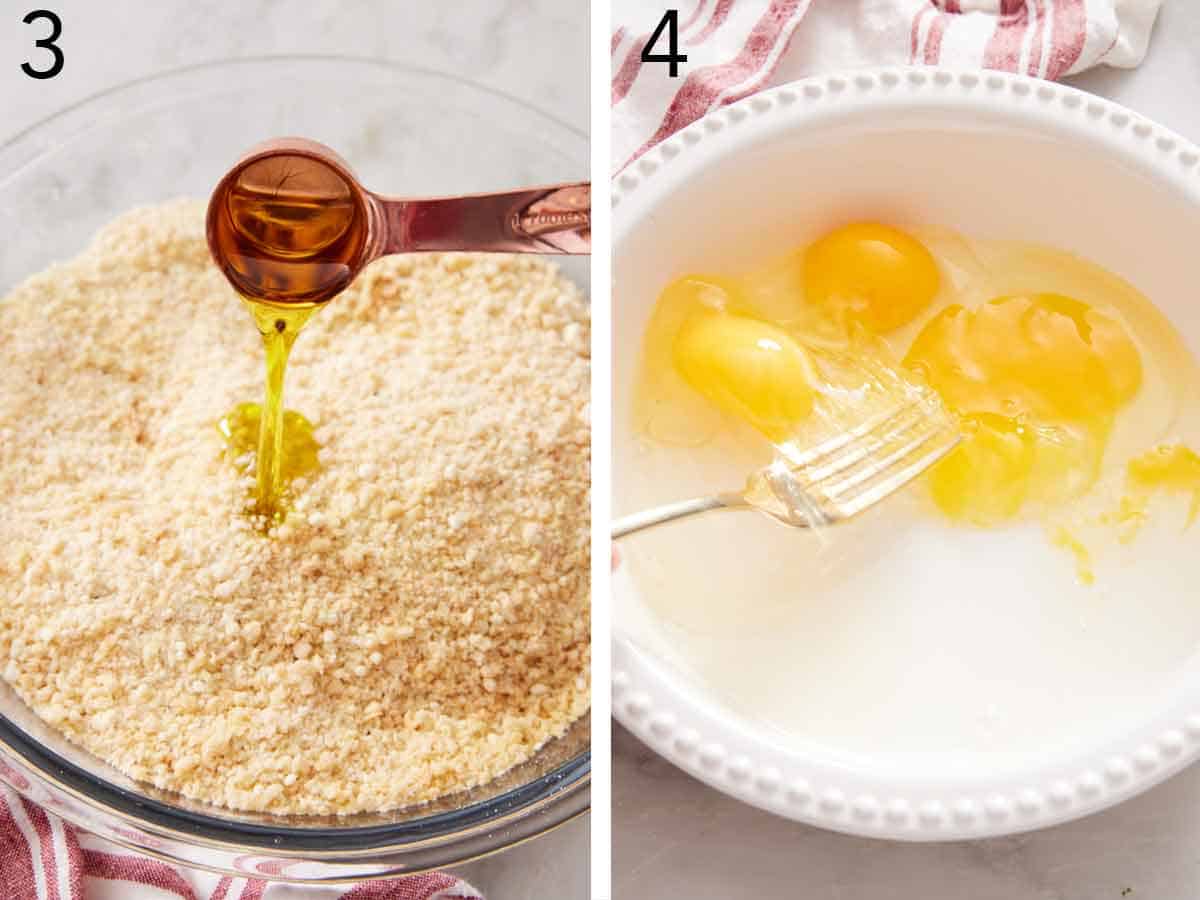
column 946, row 683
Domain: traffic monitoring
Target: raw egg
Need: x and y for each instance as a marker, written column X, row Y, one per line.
column 1033, row 349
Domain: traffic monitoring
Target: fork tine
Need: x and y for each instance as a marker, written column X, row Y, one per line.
column 877, row 464
column 816, row 453
column 872, row 483
column 868, row 444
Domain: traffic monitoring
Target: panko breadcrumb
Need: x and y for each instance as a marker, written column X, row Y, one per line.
column 418, row 625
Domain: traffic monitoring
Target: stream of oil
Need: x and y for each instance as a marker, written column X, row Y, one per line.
column 276, row 444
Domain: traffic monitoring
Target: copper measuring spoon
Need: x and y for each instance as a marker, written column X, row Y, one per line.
column 291, row 224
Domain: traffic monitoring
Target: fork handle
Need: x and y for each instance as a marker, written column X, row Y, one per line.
column 659, row 515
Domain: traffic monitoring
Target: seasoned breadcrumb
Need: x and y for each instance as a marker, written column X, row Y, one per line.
column 418, row 625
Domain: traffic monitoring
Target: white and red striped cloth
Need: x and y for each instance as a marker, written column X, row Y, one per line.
column 42, row 858
column 737, row 47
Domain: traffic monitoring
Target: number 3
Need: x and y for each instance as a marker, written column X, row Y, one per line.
column 46, row 43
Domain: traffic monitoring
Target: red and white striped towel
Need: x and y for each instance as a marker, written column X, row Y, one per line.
column 42, row 858
column 737, row 47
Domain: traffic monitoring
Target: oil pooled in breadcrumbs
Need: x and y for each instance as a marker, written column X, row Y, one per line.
column 418, row 625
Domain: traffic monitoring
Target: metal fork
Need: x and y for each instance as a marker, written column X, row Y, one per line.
column 832, row 480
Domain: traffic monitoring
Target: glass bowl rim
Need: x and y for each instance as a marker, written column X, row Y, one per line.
column 69, row 112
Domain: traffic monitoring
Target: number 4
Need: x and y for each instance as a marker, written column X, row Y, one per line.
column 670, row 21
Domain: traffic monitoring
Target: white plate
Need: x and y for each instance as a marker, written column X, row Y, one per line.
column 913, row 681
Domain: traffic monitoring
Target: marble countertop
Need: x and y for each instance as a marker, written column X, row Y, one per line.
column 536, row 50
column 673, row 836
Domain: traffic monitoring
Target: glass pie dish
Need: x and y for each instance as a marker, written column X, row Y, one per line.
column 409, row 132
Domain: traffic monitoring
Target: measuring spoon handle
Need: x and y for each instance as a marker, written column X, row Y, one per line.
column 550, row 219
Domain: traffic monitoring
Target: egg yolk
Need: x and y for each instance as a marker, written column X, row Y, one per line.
column 1041, row 355
column 872, row 274
column 1039, row 380
column 748, row 368
column 1167, row 467
column 985, row 478
column 1061, row 537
